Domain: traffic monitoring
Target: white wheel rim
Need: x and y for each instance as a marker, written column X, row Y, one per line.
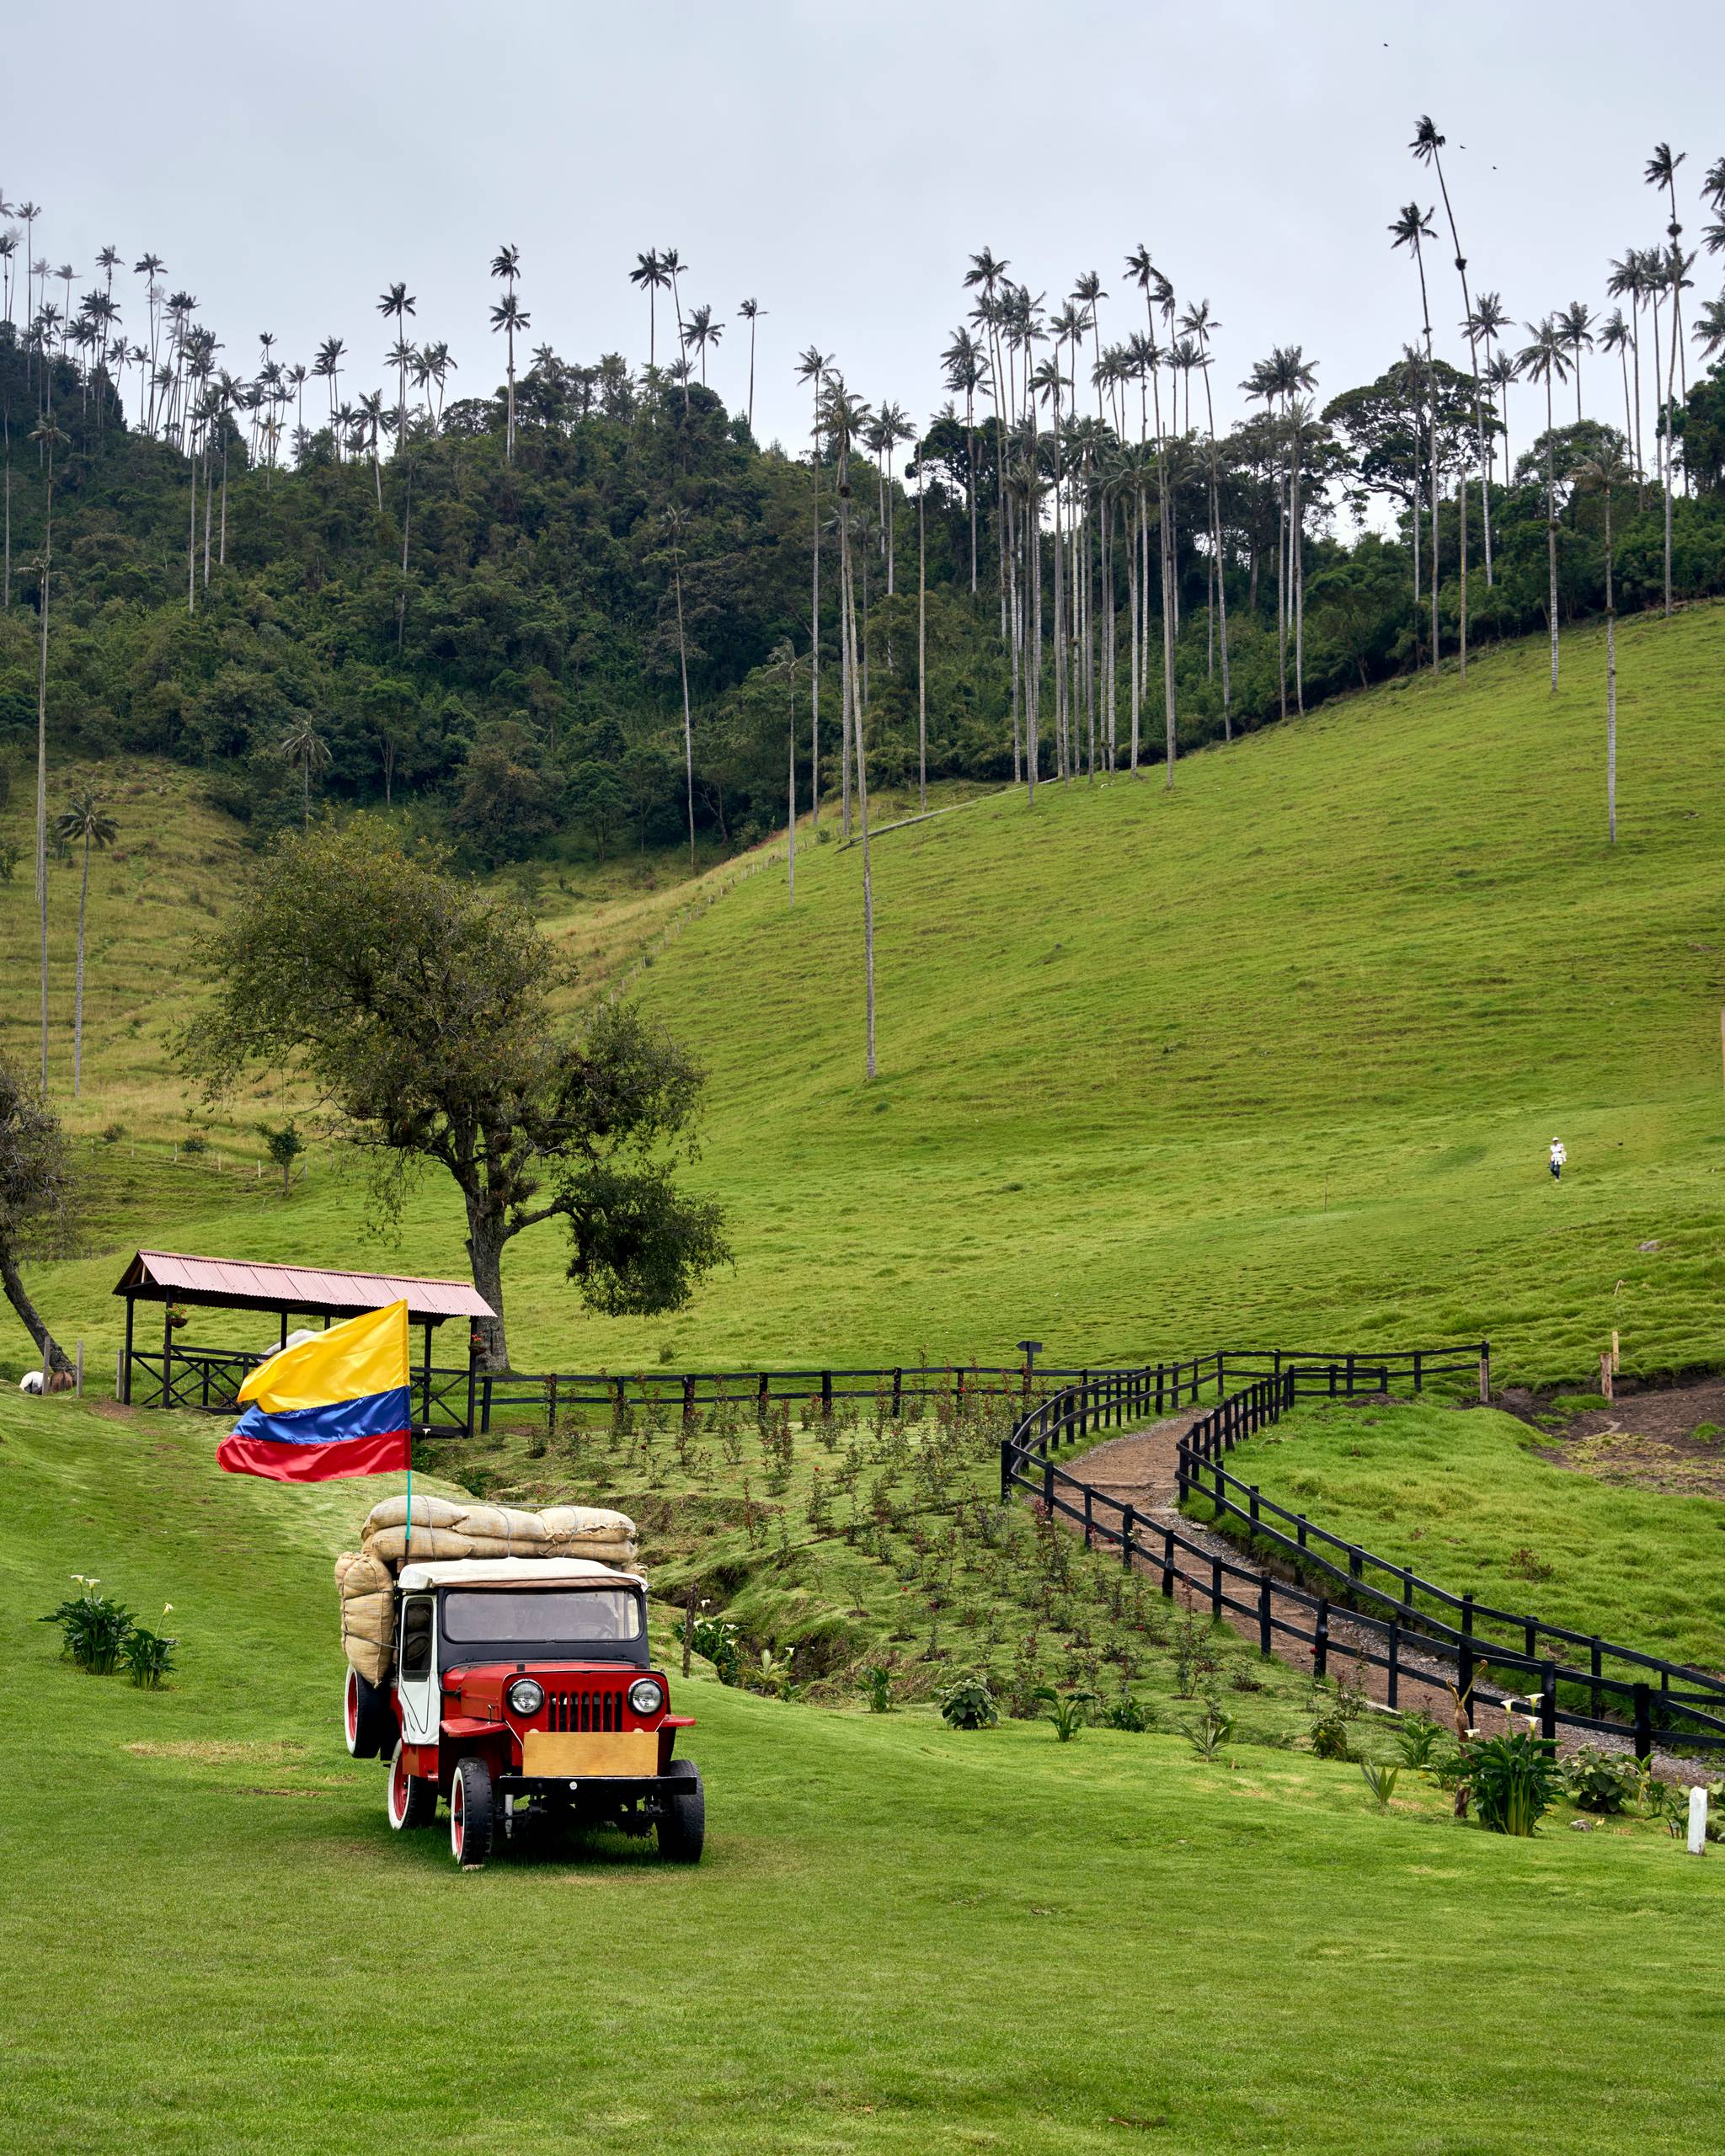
column 458, row 1817
column 397, row 1788
column 351, row 1708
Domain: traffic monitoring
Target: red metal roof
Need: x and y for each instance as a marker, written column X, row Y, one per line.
column 240, row 1284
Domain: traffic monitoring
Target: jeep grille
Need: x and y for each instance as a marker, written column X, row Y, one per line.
column 584, row 1710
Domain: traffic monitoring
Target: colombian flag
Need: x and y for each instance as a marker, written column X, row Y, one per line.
column 337, row 1405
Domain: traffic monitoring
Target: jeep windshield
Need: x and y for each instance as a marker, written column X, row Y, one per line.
column 567, row 1623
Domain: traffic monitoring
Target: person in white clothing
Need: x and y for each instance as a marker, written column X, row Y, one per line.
column 1558, row 1157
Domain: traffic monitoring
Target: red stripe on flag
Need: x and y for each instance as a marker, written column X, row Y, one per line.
column 383, row 1455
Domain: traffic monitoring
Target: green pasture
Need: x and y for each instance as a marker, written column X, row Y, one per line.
column 1273, row 1057
column 902, row 1938
column 1465, row 1501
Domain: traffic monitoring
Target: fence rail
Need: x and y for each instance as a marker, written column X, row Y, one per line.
column 1388, row 1629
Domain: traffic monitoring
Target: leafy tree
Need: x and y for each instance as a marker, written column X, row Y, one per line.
column 598, row 801
column 433, row 1038
column 506, row 804
column 284, row 1146
column 36, row 1200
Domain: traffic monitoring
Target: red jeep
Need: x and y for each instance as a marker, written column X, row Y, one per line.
column 522, row 1688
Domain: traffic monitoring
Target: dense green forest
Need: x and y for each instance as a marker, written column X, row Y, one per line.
column 488, row 614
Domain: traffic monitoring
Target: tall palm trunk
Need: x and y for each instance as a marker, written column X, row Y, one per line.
column 1661, row 450
column 1551, row 528
column 921, row 647
column 850, row 703
column 42, row 762
column 815, row 629
column 77, row 1008
column 688, row 727
column 1611, row 684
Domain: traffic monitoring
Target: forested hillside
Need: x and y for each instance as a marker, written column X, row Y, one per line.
column 492, row 631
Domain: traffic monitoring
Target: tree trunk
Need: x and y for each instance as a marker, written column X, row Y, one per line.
column 922, row 650
column 42, row 763
column 486, row 1237
column 78, row 1020
column 1551, row 529
column 1611, row 684
column 688, row 729
column 53, row 1357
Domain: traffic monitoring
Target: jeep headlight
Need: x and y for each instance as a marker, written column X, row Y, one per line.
column 646, row 1696
column 524, row 1696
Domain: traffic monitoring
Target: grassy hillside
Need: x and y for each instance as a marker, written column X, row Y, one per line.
column 1277, row 1054
column 903, row 1938
column 1406, row 1480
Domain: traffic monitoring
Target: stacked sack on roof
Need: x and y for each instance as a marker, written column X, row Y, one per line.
column 442, row 1530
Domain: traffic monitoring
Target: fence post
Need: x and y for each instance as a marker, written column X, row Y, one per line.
column 898, row 1394
column 1168, row 1564
column 826, row 1395
column 550, row 1405
column 1464, row 1658
column 1321, row 1638
column 1594, row 1662
column 1252, row 1494
column 485, row 1407
column 1005, row 1469
column 1643, row 1724
column 1126, row 1551
column 1485, row 1373
column 1393, row 1658
column 688, row 1399
column 1047, row 1485
column 1263, row 1614
column 1419, row 1378
column 1548, row 1699
column 1216, row 1587
column 1088, row 1522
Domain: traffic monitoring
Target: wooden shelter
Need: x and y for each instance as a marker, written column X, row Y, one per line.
column 182, row 1376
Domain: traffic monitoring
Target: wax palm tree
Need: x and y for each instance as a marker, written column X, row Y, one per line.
column 1614, row 336
column 85, row 823
column 304, row 745
column 1575, row 328
column 1661, row 171
column 395, row 305
column 508, row 316
column 1411, row 228
column 674, row 268
column 48, row 438
column 371, row 417
column 894, row 428
column 751, row 311
column 1709, row 331
column 1545, row 358
column 327, row 366
column 676, row 524
column 811, row 367
column 840, row 414
column 964, row 363
column 649, row 275
column 701, row 331
column 1628, row 279
column 1600, row 474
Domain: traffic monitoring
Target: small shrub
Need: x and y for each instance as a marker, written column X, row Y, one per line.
column 1245, row 1678
column 1526, row 1566
column 1068, row 1712
column 148, row 1656
column 112, row 1133
column 1596, row 1779
column 716, row 1637
column 968, row 1703
column 194, row 1143
column 1512, row 1781
column 879, row 1684
column 1707, row 1434
column 1380, row 1778
column 1416, row 1741
column 1327, row 1728
column 93, row 1626
column 1207, row 1736
column 1136, row 1716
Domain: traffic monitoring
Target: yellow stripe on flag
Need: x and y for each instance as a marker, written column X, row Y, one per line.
column 361, row 1355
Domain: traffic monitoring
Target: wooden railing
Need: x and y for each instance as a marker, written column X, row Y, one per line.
column 1395, row 1628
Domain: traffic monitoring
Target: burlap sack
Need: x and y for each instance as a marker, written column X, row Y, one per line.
column 572, row 1521
column 428, row 1511
column 430, row 1546
column 372, row 1662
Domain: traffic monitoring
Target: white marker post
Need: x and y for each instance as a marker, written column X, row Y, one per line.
column 1698, row 1821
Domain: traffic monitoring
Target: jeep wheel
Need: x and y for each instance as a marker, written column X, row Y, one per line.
column 366, row 1721
column 413, row 1801
column 469, row 1814
column 682, row 1825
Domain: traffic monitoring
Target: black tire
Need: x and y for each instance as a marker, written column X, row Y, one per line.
column 682, row 1824
column 472, row 1814
column 412, row 1800
column 367, row 1723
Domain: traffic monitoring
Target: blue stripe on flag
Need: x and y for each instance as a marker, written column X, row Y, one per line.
column 378, row 1414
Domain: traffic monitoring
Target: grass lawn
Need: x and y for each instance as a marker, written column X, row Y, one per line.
column 1465, row 1500
column 903, row 1938
column 1274, row 1057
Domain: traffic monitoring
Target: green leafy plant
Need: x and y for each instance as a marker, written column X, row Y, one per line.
column 1067, row 1711
column 968, row 1703
column 1207, row 1736
column 716, row 1637
column 1416, row 1741
column 1382, row 1777
column 1597, row 1781
column 1136, row 1716
column 92, row 1625
column 148, row 1656
column 1327, row 1729
column 879, row 1683
column 1511, row 1780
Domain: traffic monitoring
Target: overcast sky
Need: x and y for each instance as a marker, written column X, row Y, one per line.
column 841, row 165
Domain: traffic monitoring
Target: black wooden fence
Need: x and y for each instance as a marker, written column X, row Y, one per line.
column 1397, row 1621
